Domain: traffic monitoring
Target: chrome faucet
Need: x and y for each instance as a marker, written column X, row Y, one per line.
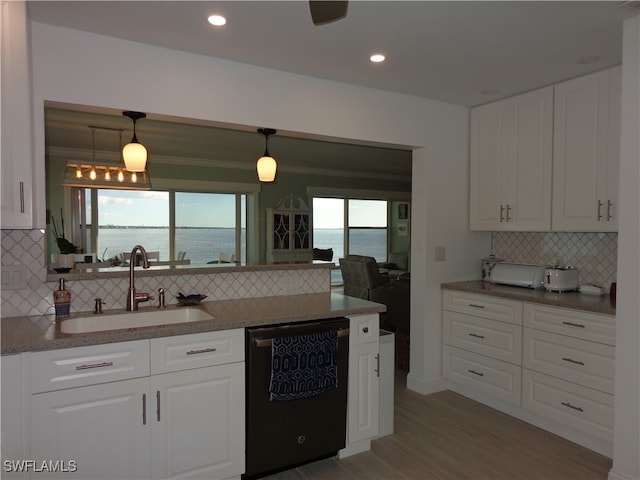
column 133, row 297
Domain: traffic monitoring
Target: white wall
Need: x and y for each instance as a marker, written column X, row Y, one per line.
column 82, row 68
column 626, row 448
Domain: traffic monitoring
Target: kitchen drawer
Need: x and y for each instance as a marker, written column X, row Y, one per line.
column 587, row 363
column 75, row 367
column 171, row 354
column 364, row 329
column 484, row 306
column 578, row 407
column 575, row 323
column 499, row 340
column 499, row 379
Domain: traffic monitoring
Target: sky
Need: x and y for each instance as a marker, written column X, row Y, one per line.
column 151, row 209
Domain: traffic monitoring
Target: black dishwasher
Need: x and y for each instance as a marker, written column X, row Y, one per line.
column 284, row 433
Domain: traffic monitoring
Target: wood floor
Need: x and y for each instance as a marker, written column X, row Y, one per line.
column 447, row 436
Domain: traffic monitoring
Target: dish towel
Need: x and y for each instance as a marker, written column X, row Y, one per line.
column 303, row 366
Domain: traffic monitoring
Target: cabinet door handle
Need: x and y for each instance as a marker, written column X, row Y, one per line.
column 609, row 205
column 508, row 210
column 94, row 365
column 158, row 405
column 567, row 404
column 473, row 305
column 599, row 210
column 202, row 350
column 501, row 213
column 476, row 335
column 571, row 360
column 21, row 197
column 365, row 329
column 480, row 374
column 144, row 408
column 571, row 324
column 377, row 365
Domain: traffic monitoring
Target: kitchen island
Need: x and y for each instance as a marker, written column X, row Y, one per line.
column 169, row 400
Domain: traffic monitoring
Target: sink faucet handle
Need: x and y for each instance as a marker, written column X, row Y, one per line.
column 161, row 298
column 98, row 305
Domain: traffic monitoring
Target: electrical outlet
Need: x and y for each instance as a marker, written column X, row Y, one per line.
column 14, row 277
column 440, row 254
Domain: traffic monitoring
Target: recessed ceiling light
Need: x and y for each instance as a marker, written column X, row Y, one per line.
column 217, row 20
column 377, row 58
column 588, row 60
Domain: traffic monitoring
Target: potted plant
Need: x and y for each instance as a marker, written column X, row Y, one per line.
column 66, row 258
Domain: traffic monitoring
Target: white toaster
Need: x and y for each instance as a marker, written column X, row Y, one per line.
column 561, row 279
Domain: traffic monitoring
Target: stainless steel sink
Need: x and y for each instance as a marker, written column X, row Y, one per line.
column 148, row 318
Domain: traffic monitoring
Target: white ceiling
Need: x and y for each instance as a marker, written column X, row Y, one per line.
column 453, row 51
column 450, row 51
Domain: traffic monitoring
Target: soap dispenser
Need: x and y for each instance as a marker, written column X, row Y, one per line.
column 62, row 300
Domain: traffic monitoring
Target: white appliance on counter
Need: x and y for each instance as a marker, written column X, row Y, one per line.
column 561, row 279
column 518, row 274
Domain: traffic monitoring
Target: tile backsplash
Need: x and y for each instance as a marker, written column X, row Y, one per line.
column 594, row 254
column 25, row 290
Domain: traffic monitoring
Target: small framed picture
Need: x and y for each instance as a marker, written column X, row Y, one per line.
column 403, row 211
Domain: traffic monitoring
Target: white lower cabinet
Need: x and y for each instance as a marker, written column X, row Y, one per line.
column 500, row 380
column 550, row 366
column 13, row 411
column 197, row 424
column 583, row 409
column 364, row 384
column 184, row 421
column 98, row 431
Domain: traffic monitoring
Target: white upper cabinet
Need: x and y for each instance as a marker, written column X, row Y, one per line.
column 16, row 132
column 586, row 153
column 511, row 162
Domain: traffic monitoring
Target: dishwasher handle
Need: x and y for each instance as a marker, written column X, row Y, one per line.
column 267, row 342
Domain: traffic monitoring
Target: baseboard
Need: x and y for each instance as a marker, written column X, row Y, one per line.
column 424, row 386
column 353, row 448
column 613, row 475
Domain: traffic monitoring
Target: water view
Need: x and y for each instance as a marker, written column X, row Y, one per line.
column 203, row 245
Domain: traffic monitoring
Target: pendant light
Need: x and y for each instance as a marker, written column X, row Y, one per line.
column 266, row 165
column 104, row 173
column 134, row 153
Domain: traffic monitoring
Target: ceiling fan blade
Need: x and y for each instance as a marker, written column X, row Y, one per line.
column 325, row 11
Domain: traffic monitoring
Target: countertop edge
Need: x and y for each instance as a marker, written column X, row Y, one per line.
column 572, row 300
column 39, row 333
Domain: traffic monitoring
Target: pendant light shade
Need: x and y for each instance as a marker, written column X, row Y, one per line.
column 134, row 153
column 266, row 165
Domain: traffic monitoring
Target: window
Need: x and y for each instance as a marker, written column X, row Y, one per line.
column 206, row 225
column 172, row 226
column 350, row 226
column 368, row 228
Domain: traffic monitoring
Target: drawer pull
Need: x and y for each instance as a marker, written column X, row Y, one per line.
column 473, row 305
column 158, row 405
column 480, row 374
column 365, row 329
column 567, row 404
column 144, row 408
column 571, row 360
column 476, row 335
column 571, row 324
column 94, row 365
column 203, row 350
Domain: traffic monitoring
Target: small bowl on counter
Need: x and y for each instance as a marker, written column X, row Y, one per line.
column 189, row 300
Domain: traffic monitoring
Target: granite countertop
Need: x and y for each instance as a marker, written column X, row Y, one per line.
column 35, row 333
column 574, row 300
